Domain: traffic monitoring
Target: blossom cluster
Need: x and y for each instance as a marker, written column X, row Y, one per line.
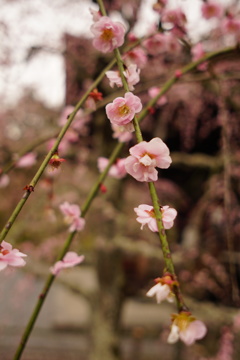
column 145, row 157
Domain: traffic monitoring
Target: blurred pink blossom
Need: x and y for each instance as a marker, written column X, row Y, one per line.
column 72, row 217
column 156, row 44
column 114, row 78
column 231, row 25
column 4, row 180
column 70, row 259
column 116, row 171
column 145, row 156
column 132, row 74
column 79, row 122
column 172, row 43
column 120, row 133
column 136, row 56
column 154, row 91
column 108, row 35
column 146, row 215
column 10, row 256
column 198, row 52
column 96, row 15
column 64, row 114
column 212, row 9
column 27, row 160
column 186, row 328
column 122, row 110
column 177, row 18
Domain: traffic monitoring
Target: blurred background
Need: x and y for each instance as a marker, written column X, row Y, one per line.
column 99, row 309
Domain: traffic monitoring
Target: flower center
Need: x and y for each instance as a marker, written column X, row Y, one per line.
column 146, row 160
column 123, row 110
column 4, row 252
column 107, row 35
column 151, row 213
column 183, row 320
column 211, row 10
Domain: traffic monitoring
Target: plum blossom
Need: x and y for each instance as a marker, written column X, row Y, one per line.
column 154, row 91
column 55, row 161
column 162, row 292
column 177, row 18
column 27, row 160
column 92, row 99
column 136, row 56
column 122, row 110
column 120, row 133
column 186, row 328
column 116, row 171
column 131, row 74
column 108, row 34
column 70, row 259
column 72, row 217
column 10, row 256
column 212, row 9
column 146, row 215
column 156, row 44
column 145, row 157
column 96, row 15
column 172, row 44
column 231, row 25
column 114, row 78
column 198, row 52
column 163, row 289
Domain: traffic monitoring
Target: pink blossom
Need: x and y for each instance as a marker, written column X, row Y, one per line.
column 177, row 18
column 136, row 56
column 198, row 52
column 114, row 78
column 156, row 44
column 154, row 91
column 108, row 34
column 131, row 37
column 120, row 133
column 122, row 110
column 72, row 217
column 116, row 171
column 162, row 292
column 212, row 9
column 132, row 76
column 230, row 25
column 10, row 256
column 26, row 161
column 145, row 156
column 186, row 328
column 70, row 259
column 172, row 43
column 96, row 15
column 4, row 180
column 146, row 215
